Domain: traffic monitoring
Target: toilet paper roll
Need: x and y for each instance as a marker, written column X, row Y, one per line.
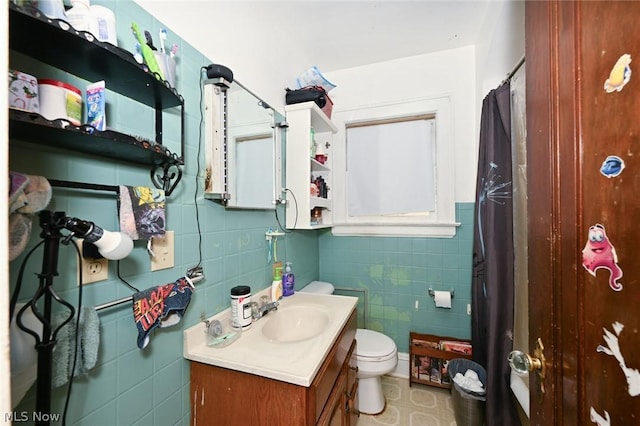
column 442, row 299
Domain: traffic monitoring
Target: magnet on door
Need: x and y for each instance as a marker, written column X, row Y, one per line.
column 612, row 166
column 600, row 253
column 620, row 74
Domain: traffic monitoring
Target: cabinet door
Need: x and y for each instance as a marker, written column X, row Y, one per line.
column 351, row 405
column 334, row 411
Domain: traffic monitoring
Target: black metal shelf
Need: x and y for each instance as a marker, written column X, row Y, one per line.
column 56, row 43
column 32, row 127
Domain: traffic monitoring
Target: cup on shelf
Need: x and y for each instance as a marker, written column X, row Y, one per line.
column 321, row 158
column 167, row 65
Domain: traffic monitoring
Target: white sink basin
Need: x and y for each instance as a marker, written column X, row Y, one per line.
column 288, row 344
column 294, row 323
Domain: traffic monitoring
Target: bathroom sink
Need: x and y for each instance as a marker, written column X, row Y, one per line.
column 295, row 323
column 288, row 344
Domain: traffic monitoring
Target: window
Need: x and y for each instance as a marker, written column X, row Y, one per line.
column 396, row 175
column 390, row 167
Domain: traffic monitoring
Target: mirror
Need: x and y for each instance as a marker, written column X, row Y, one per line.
column 243, row 157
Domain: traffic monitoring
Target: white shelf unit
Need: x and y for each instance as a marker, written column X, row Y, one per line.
column 300, row 166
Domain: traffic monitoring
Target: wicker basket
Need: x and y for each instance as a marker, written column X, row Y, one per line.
column 468, row 407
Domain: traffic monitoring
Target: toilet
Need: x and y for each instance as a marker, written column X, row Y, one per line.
column 376, row 356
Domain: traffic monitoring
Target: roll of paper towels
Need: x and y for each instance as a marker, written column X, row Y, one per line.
column 442, row 299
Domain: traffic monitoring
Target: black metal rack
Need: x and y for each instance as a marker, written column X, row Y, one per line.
column 56, row 43
column 32, row 127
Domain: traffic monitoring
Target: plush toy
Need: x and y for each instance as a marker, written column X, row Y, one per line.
column 27, row 196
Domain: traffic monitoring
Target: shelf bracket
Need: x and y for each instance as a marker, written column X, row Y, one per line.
column 168, row 180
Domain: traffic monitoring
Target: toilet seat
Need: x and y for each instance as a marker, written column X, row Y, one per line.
column 373, row 346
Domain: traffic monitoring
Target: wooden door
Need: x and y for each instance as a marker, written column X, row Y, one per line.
column 588, row 323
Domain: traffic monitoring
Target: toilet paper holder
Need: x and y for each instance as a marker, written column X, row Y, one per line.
column 432, row 293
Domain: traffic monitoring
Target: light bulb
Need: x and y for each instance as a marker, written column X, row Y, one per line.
column 114, row 245
column 111, row 245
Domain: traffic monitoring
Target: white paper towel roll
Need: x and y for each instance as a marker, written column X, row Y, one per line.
column 442, row 299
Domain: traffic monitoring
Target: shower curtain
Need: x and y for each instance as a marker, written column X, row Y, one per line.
column 492, row 280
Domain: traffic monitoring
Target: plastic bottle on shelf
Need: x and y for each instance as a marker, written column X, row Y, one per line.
column 313, row 144
column 54, row 9
column 106, row 24
column 288, row 281
column 81, row 18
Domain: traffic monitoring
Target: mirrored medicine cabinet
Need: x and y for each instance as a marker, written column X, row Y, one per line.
column 243, row 140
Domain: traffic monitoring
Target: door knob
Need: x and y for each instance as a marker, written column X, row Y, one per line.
column 523, row 363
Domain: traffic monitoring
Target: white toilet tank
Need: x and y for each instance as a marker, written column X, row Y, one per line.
column 318, row 287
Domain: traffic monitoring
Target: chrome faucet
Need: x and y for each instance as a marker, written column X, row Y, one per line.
column 259, row 312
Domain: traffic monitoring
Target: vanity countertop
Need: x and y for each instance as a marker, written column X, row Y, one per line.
column 254, row 353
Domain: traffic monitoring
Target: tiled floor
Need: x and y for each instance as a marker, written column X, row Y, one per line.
column 418, row 405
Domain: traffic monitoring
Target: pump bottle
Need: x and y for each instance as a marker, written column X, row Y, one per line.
column 276, row 285
column 288, row 281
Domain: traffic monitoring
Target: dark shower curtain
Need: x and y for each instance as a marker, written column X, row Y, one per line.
column 492, row 281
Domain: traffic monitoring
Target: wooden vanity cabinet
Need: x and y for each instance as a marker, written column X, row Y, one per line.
column 223, row 396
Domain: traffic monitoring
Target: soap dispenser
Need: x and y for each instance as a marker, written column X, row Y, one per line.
column 276, row 285
column 288, row 281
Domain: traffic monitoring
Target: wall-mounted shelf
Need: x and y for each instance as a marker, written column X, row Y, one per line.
column 45, row 39
column 56, row 43
column 300, row 166
column 33, row 128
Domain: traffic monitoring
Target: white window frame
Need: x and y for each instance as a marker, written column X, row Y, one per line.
column 441, row 223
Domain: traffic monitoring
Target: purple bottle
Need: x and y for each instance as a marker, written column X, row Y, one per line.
column 288, row 281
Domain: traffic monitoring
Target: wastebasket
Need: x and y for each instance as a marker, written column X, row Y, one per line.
column 468, row 406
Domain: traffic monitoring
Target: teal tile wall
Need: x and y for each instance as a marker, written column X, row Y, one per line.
column 130, row 386
column 397, row 272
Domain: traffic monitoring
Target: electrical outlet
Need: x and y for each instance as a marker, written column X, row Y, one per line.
column 163, row 252
column 93, row 270
column 468, row 308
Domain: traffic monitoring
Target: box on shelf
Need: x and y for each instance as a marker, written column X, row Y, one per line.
column 311, row 93
column 23, row 92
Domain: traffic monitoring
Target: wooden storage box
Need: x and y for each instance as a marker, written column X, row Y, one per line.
column 428, row 362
